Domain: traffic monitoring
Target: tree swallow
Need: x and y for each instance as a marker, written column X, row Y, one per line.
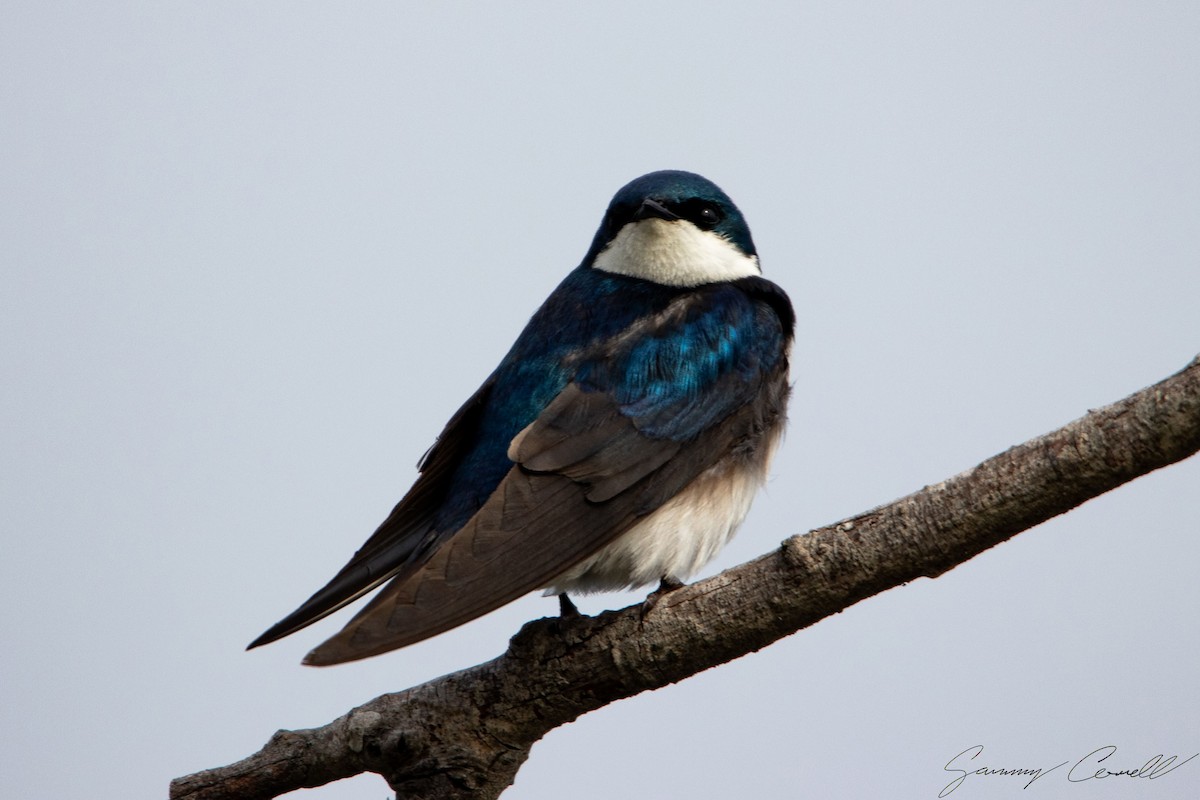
column 619, row 443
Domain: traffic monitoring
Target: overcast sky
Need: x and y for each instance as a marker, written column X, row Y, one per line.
column 254, row 255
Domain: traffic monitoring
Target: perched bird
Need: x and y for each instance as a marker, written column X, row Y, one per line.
column 618, row 444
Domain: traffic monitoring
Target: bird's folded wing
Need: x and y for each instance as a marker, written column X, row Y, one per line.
column 532, row 528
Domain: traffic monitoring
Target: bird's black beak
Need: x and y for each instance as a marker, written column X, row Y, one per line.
column 653, row 208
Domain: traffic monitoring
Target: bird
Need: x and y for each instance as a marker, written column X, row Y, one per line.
column 619, row 443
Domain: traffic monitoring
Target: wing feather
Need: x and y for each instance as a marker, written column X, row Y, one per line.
column 403, row 538
column 531, row 529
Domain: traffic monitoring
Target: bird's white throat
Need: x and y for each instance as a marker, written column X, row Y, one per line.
column 675, row 253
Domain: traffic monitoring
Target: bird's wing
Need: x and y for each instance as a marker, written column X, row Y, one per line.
column 401, row 539
column 646, row 413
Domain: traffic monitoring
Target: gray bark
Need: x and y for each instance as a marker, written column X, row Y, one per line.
column 466, row 734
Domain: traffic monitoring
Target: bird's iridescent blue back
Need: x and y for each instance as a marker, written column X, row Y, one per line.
column 661, row 381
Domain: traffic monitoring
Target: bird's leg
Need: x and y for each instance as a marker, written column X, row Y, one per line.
column 668, row 584
column 566, row 608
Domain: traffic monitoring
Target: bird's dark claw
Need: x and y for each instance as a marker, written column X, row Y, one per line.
column 667, row 585
column 566, row 608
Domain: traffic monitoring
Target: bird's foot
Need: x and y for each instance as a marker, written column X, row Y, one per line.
column 668, row 584
column 566, row 608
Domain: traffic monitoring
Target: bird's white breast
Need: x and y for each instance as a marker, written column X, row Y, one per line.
column 679, row 537
column 675, row 253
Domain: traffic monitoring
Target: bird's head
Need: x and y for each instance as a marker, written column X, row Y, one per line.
column 674, row 228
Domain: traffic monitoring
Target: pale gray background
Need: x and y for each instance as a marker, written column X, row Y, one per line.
column 254, row 255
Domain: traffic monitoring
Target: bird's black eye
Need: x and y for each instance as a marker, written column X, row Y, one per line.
column 709, row 217
column 702, row 214
column 615, row 219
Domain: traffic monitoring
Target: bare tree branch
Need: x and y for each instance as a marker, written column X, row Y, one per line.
column 467, row 734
